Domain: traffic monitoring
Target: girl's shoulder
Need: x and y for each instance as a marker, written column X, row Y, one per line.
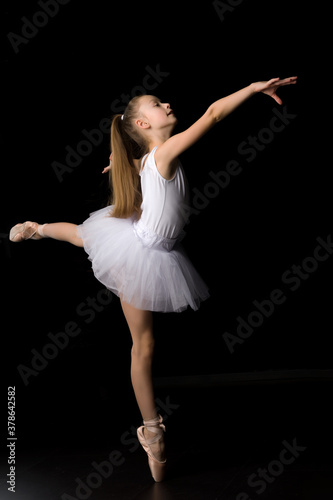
column 140, row 162
column 149, row 163
column 148, row 158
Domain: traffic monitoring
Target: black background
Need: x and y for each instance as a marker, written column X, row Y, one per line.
column 64, row 80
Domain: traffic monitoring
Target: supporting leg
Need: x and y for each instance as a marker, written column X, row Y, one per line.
column 140, row 324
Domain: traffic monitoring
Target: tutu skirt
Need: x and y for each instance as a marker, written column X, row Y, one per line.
column 143, row 269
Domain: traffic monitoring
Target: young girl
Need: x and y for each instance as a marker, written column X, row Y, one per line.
column 133, row 243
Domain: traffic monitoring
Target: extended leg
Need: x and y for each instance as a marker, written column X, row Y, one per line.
column 63, row 231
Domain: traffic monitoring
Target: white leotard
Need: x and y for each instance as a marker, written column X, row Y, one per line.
column 164, row 203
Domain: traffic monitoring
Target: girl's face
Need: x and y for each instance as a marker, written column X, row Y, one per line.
column 156, row 113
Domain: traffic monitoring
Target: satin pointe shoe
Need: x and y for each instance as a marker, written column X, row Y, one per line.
column 26, row 231
column 157, row 467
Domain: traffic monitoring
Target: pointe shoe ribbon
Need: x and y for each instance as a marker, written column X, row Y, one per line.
column 157, row 467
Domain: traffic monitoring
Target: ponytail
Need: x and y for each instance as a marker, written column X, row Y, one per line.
column 124, row 177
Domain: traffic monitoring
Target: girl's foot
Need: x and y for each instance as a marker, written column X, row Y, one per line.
column 151, row 437
column 26, row 231
column 157, row 447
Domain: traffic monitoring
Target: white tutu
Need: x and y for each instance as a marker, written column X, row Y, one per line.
column 143, row 269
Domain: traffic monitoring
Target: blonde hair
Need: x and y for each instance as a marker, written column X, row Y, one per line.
column 126, row 144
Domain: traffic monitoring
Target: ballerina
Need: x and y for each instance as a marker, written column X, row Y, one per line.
column 134, row 243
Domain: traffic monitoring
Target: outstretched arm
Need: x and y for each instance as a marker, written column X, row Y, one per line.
column 216, row 112
column 226, row 105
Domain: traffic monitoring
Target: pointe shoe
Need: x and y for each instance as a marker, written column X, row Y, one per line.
column 157, row 467
column 26, row 231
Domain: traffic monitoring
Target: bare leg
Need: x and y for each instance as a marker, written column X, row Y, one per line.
column 63, row 231
column 140, row 324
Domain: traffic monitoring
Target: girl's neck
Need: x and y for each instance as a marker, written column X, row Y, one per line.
column 158, row 139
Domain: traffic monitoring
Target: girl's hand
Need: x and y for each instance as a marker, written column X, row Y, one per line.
column 110, row 165
column 272, row 85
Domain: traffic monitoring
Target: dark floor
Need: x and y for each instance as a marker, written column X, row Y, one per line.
column 242, row 442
